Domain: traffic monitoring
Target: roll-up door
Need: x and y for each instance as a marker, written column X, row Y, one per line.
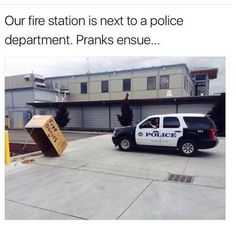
column 114, row 121
column 96, row 117
column 116, row 110
column 75, row 115
column 149, row 110
column 136, row 114
column 195, row 108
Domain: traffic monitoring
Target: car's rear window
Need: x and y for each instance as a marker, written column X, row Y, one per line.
column 198, row 122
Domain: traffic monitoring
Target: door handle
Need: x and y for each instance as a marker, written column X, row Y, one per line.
column 177, row 131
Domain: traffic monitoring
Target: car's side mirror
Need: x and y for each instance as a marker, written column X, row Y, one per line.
column 143, row 125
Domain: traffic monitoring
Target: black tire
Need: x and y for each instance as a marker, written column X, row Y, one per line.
column 188, row 148
column 125, row 144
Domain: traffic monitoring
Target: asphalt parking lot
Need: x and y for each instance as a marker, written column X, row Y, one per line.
column 94, row 180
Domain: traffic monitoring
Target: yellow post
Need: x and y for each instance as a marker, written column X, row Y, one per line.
column 9, row 122
column 7, row 149
column 20, row 123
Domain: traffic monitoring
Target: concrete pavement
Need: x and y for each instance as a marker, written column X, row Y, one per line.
column 93, row 180
column 21, row 136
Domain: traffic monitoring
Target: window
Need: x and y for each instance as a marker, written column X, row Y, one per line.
column 126, row 84
column 55, row 85
column 171, row 122
column 39, row 80
column 201, row 89
column 151, row 123
column 185, row 83
column 198, row 123
column 164, row 81
column 83, row 87
column 151, row 83
column 200, row 77
column 104, row 86
column 41, row 85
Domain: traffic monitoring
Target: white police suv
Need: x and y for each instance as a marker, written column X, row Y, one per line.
column 184, row 132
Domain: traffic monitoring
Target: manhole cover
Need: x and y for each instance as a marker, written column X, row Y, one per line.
column 180, row 178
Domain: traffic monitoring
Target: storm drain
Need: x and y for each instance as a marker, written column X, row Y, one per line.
column 180, row 178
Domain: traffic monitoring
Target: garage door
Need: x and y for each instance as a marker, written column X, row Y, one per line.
column 116, row 110
column 114, row 121
column 195, row 108
column 96, row 117
column 157, row 109
column 75, row 115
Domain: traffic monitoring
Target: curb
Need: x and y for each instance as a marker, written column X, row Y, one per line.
column 83, row 132
column 23, row 156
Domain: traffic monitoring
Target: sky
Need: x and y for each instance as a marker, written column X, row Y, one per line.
column 58, row 66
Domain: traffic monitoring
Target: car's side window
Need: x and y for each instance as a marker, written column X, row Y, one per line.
column 171, row 122
column 152, row 123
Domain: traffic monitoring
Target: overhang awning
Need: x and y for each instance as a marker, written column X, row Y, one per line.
column 157, row 101
column 211, row 72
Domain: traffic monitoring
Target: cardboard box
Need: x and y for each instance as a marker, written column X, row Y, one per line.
column 47, row 135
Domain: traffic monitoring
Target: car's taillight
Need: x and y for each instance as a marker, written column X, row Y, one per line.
column 212, row 134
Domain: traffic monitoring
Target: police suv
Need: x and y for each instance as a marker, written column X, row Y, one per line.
column 184, row 132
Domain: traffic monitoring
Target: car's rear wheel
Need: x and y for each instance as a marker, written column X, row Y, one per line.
column 125, row 144
column 188, row 147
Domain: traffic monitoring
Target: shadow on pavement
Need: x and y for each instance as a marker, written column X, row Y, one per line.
column 170, row 152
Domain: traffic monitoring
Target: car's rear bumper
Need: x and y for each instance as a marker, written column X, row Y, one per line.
column 205, row 144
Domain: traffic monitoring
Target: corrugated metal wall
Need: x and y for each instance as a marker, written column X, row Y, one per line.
column 16, row 110
column 75, row 115
column 20, row 99
column 149, row 110
column 8, row 99
column 114, row 111
column 136, row 114
column 45, row 111
column 44, row 95
column 96, row 117
column 105, row 117
column 194, row 108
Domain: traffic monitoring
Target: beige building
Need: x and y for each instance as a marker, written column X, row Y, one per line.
column 93, row 100
column 143, row 83
column 30, row 80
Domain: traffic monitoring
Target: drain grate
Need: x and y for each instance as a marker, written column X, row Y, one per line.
column 180, row 178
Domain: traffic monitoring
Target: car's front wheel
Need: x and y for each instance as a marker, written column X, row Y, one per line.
column 125, row 144
column 188, row 147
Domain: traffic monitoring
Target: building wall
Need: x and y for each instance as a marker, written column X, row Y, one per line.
column 22, row 81
column 17, row 98
column 177, row 76
column 59, row 82
column 104, row 117
column 195, row 108
column 44, row 95
column 18, row 81
column 17, row 112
